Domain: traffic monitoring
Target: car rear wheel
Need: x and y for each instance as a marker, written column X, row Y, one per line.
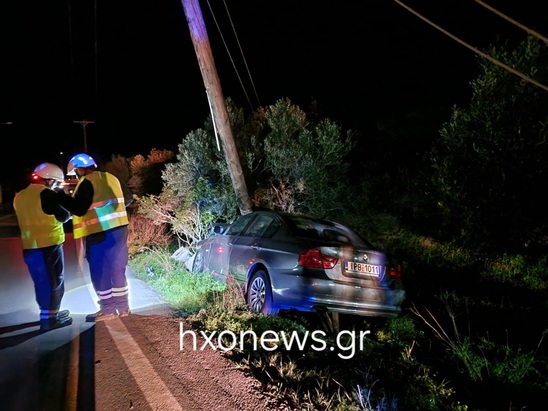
column 259, row 294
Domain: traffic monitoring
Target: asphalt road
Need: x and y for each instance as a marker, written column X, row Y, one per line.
column 53, row 370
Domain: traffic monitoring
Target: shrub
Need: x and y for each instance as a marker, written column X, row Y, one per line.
column 491, row 154
column 518, row 271
column 143, row 234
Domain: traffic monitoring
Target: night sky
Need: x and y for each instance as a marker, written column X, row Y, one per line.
column 130, row 66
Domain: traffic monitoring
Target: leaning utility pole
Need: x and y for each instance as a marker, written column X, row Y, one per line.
column 219, row 110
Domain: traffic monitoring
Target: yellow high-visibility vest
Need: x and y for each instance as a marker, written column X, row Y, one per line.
column 108, row 209
column 38, row 229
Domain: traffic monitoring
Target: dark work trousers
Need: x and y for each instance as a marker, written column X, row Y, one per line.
column 107, row 255
column 46, row 268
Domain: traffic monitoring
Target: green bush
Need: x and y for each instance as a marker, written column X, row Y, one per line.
column 491, row 154
column 518, row 271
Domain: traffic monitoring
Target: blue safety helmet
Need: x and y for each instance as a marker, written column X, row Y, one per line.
column 81, row 160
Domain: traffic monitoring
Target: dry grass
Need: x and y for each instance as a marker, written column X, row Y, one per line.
column 143, row 234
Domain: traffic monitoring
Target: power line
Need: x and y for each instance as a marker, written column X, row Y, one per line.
column 231, row 59
column 475, row 50
column 514, row 22
column 242, row 53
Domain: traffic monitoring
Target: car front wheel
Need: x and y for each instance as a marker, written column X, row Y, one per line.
column 259, row 294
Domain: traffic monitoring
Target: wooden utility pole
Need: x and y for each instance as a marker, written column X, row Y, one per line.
column 84, row 124
column 212, row 83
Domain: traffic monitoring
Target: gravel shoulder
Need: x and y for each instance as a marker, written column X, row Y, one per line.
column 139, row 366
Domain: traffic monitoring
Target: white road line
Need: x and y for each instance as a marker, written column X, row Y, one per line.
column 156, row 393
column 71, row 397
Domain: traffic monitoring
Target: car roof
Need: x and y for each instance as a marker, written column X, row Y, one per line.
column 296, row 220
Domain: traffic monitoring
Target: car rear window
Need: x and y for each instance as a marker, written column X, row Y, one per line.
column 335, row 236
column 315, row 229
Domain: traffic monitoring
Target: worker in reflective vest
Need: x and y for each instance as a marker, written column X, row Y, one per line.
column 40, row 219
column 100, row 219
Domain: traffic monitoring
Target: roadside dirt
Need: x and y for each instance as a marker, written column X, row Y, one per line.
column 139, row 366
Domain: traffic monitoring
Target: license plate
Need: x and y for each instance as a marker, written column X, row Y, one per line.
column 362, row 268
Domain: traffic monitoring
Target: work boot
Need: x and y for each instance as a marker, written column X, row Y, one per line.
column 59, row 314
column 124, row 313
column 63, row 313
column 55, row 322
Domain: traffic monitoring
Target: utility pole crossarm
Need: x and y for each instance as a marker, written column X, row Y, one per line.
column 84, row 124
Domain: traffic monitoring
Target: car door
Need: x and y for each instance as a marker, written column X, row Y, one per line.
column 221, row 247
column 246, row 247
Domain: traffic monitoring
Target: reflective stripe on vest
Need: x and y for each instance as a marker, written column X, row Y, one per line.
column 105, row 212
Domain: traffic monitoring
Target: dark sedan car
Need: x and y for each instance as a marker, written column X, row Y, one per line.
column 289, row 261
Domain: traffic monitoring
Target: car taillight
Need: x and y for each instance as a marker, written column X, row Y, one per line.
column 395, row 272
column 315, row 259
